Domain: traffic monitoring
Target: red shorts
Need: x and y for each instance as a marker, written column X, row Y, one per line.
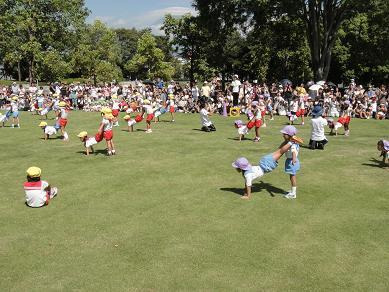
column 108, row 135
column 171, row 109
column 300, row 112
column 250, row 125
column 150, row 117
column 115, row 112
column 98, row 137
column 138, row 118
column 263, row 113
column 258, row 123
column 348, row 120
column 63, row 122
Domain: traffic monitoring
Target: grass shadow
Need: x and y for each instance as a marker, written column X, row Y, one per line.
column 237, row 139
column 377, row 163
column 257, row 187
column 141, row 130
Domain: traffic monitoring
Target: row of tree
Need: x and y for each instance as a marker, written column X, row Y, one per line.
column 257, row 39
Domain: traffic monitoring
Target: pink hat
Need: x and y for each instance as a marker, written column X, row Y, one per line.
column 241, row 163
column 289, row 130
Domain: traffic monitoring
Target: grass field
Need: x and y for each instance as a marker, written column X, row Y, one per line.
column 165, row 214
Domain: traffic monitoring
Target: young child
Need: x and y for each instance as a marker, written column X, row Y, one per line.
column 172, row 107
column 15, row 112
column 47, row 130
column 207, row 125
column 88, row 141
column 341, row 122
column 318, row 139
column 106, row 128
column 242, row 129
column 115, row 109
column 267, row 164
column 62, row 116
column 257, row 119
column 149, row 110
column 383, row 146
column 293, row 108
column 38, row 192
column 292, row 163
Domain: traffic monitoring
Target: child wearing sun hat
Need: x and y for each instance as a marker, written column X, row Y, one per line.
column 267, row 163
column 106, row 129
column 15, row 112
column 47, row 130
column 318, row 139
column 242, row 129
column 292, row 163
column 38, row 192
column 88, row 141
column 62, row 116
column 171, row 106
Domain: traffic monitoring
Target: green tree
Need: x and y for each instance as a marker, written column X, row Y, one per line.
column 148, row 62
column 33, row 28
column 98, row 51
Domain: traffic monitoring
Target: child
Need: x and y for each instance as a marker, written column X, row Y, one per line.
column 257, row 119
column 292, row 164
column 38, row 192
column 106, row 128
column 207, row 125
column 341, row 122
column 242, row 129
column 88, row 141
column 383, row 146
column 62, row 116
column 267, row 164
column 171, row 105
column 149, row 110
column 318, row 139
column 294, row 107
column 47, row 130
column 115, row 109
column 15, row 112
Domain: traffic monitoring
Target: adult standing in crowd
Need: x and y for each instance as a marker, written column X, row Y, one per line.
column 235, row 90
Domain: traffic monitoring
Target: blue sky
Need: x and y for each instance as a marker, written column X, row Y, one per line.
column 138, row 14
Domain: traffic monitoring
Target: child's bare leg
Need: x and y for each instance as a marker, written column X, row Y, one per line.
column 293, row 180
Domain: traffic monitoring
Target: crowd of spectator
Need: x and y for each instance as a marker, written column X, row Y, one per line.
column 278, row 98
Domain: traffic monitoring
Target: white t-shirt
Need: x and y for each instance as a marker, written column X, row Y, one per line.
column 90, row 142
column 292, row 149
column 36, row 195
column 253, row 173
column 205, row 121
column 317, row 133
column 50, row 130
column 236, row 86
column 64, row 113
column 107, row 125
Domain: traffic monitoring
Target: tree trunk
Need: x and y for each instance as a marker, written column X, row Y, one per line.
column 31, row 71
column 19, row 72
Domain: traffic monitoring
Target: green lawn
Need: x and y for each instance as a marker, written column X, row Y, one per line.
column 165, row 213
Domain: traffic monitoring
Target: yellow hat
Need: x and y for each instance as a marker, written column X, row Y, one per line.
column 42, row 124
column 55, row 95
column 62, row 104
column 106, row 110
column 40, row 109
column 82, row 134
column 171, row 96
column 114, row 96
column 127, row 117
column 108, row 116
column 146, row 101
column 34, row 171
column 14, row 98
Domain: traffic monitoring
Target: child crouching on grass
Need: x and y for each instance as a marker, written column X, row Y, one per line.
column 38, row 192
column 47, row 130
column 383, row 146
column 267, row 164
column 242, row 129
column 89, row 141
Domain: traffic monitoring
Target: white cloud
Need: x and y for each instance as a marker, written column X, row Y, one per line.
column 152, row 19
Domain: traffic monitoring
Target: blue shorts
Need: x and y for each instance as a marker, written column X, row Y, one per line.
column 292, row 168
column 15, row 114
column 267, row 163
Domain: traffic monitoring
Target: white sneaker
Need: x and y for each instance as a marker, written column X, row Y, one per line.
column 302, row 124
column 264, row 126
column 290, row 196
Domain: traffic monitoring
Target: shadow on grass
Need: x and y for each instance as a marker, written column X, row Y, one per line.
column 53, row 138
column 237, row 139
column 96, row 152
column 257, row 187
column 377, row 163
column 140, row 130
